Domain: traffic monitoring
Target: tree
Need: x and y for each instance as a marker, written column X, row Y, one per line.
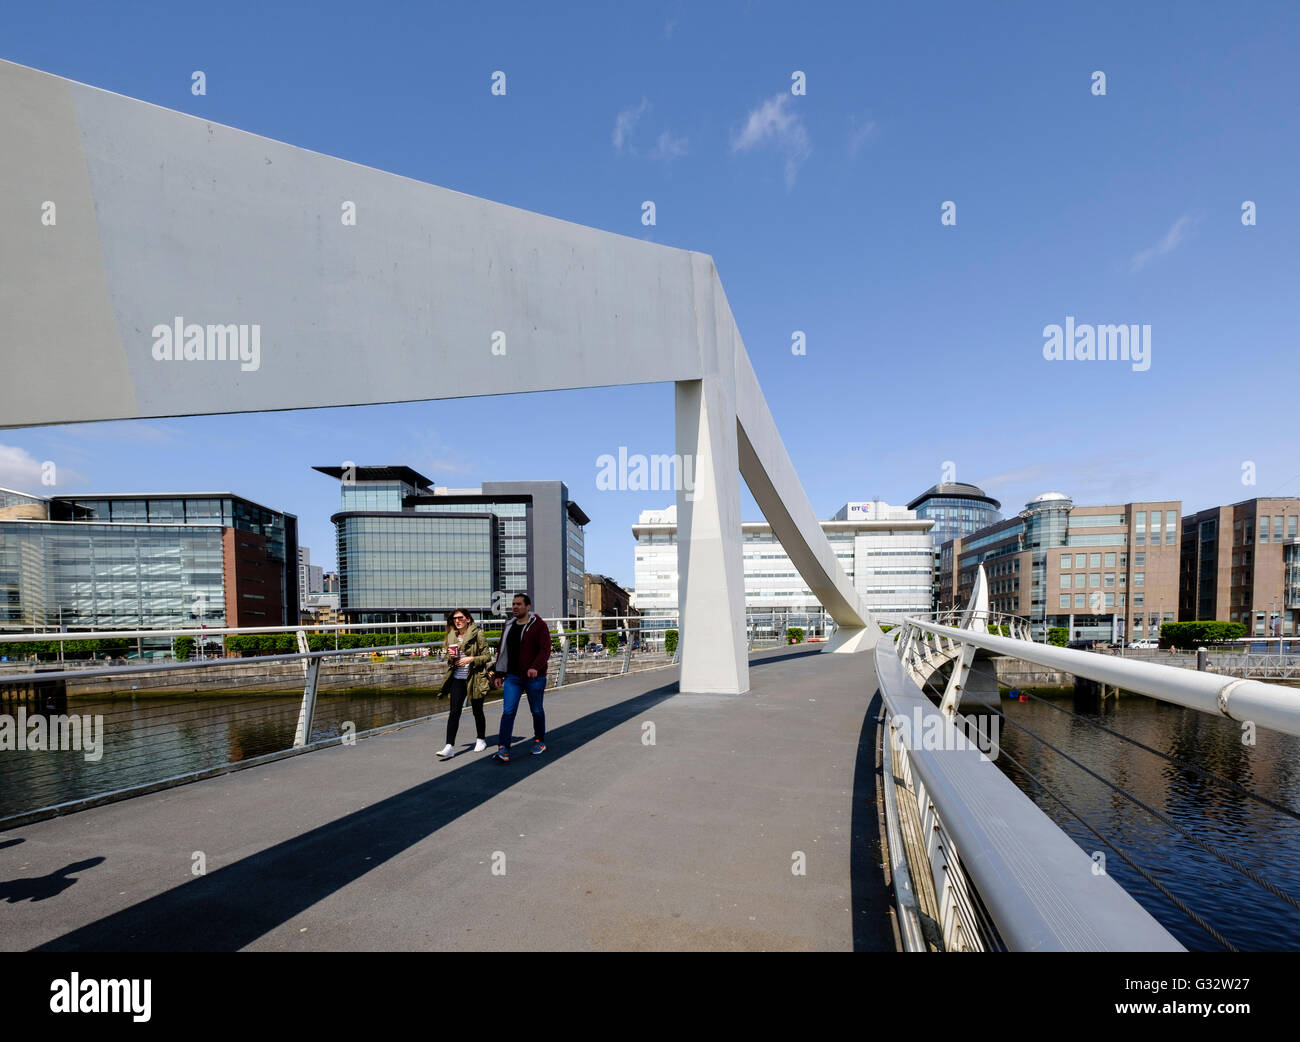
column 1058, row 635
column 670, row 641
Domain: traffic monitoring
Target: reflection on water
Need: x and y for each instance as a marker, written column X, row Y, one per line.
column 149, row 739
column 1260, row 837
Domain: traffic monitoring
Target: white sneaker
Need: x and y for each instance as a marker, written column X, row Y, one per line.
column 480, row 745
column 447, row 752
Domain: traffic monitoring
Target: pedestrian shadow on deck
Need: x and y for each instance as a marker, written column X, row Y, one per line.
column 231, row 907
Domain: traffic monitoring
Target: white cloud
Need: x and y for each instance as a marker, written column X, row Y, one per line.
column 626, row 123
column 773, row 123
column 19, row 469
column 668, row 147
column 1166, row 245
column 858, row 134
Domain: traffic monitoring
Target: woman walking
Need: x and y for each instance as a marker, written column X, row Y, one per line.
column 468, row 658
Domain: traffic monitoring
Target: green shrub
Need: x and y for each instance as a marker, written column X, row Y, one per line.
column 670, row 641
column 1191, row 635
column 611, row 642
column 794, row 635
column 1058, row 635
column 184, row 648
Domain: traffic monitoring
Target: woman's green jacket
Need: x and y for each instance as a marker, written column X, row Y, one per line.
column 474, row 646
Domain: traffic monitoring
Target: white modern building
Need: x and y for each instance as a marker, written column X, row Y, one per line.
column 885, row 550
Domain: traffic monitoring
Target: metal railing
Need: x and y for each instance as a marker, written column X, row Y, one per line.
column 974, row 817
column 1243, row 700
column 1004, row 874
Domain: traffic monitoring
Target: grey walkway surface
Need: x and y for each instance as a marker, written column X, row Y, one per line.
column 607, row 843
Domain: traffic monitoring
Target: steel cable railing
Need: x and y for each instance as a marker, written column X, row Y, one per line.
column 1225, row 858
column 1124, row 855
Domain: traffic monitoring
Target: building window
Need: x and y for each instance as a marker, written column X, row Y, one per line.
column 1081, row 560
column 1094, row 580
column 1065, row 582
column 1277, row 528
column 1291, row 526
column 1121, row 600
column 1138, row 600
column 1123, row 560
column 1139, row 560
column 1140, row 528
column 1065, row 560
column 1094, row 560
column 1065, row 601
column 1110, row 600
column 1080, row 600
column 1139, row 578
column 1110, row 560
column 1109, row 580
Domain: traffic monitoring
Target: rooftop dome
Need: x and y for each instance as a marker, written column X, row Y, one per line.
column 1045, row 498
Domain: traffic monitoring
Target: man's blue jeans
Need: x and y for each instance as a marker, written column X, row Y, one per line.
column 515, row 688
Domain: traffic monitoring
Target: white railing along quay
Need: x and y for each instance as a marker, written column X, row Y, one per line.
column 1266, row 705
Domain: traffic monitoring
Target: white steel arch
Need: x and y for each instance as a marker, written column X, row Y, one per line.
column 156, row 264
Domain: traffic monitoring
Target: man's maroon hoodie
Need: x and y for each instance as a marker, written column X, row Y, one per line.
column 534, row 647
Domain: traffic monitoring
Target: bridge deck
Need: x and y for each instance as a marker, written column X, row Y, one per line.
column 608, row 843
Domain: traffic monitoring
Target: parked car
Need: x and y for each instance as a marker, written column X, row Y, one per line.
column 1145, row 645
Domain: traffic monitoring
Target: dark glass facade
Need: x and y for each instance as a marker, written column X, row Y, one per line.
column 110, row 576
column 415, row 565
column 144, row 562
column 956, row 515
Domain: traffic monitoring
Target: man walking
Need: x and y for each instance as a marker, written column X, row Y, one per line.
column 525, row 650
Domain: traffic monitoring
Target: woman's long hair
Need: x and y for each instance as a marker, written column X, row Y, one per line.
column 451, row 626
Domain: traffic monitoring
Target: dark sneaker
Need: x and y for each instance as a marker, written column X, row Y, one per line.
column 502, row 755
column 538, row 746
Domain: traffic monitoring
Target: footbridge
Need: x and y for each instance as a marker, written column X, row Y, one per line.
column 157, row 264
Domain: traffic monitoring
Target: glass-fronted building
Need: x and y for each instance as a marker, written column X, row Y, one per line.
column 163, row 561
column 410, row 551
column 957, row 509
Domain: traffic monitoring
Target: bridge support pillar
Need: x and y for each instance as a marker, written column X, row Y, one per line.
column 710, row 565
column 981, row 687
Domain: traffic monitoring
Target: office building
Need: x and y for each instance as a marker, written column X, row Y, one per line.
column 311, row 577
column 885, row 551
column 1241, row 563
column 605, row 599
column 145, row 561
column 413, row 551
column 1104, row 572
column 957, row 510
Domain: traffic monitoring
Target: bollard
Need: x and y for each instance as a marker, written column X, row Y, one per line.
column 1202, row 658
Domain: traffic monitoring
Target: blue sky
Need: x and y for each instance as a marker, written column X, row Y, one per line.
column 924, row 341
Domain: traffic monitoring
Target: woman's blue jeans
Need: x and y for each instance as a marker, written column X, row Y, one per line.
column 515, row 688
